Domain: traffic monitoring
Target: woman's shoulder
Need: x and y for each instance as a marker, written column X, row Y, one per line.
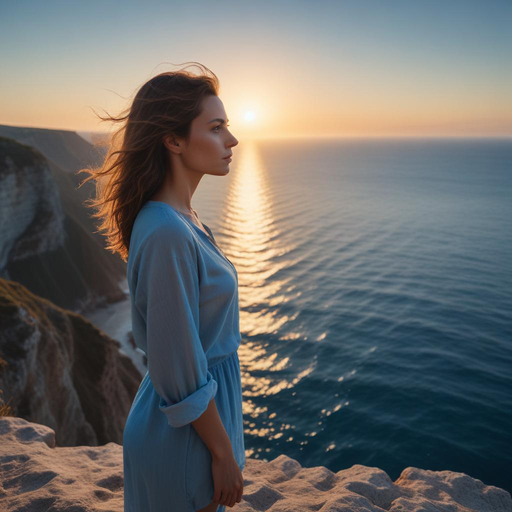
column 159, row 225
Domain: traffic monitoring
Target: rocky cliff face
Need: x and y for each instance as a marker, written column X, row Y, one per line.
column 37, row 475
column 31, row 214
column 47, row 239
column 58, row 369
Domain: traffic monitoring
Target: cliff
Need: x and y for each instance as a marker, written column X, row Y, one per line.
column 58, row 369
column 64, row 148
column 47, row 239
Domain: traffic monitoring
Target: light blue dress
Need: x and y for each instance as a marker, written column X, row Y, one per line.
column 185, row 317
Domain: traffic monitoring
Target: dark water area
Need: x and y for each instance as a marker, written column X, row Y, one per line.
column 375, row 300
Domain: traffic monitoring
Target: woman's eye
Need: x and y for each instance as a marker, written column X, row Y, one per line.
column 218, row 126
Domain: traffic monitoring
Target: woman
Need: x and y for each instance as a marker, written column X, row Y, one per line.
column 183, row 446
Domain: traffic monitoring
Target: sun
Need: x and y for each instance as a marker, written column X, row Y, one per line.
column 249, row 116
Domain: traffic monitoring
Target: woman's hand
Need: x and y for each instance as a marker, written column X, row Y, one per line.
column 227, row 480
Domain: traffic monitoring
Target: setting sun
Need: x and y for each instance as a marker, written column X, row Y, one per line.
column 249, row 116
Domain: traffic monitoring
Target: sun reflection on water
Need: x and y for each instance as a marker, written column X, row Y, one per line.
column 253, row 241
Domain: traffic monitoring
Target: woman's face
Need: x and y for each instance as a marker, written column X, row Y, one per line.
column 210, row 140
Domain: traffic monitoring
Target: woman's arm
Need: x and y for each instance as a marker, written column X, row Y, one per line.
column 211, row 430
column 167, row 295
column 227, row 477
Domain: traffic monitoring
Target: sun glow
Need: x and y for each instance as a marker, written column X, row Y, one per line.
column 249, row 116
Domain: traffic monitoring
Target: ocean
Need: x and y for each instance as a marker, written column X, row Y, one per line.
column 375, row 281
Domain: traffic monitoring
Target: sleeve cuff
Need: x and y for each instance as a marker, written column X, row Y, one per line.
column 189, row 409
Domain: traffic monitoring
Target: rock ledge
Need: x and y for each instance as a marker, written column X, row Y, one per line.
column 36, row 476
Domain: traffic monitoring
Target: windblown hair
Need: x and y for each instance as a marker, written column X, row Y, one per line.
column 137, row 159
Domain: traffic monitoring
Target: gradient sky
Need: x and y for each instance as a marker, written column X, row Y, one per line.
column 304, row 68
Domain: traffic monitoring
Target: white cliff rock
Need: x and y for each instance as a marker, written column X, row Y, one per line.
column 48, row 241
column 31, row 214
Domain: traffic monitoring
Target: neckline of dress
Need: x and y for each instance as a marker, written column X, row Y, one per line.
column 212, row 240
column 184, row 216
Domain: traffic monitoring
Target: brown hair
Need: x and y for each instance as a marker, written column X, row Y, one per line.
column 137, row 160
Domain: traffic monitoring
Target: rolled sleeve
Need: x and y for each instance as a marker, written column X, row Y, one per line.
column 167, row 294
column 191, row 407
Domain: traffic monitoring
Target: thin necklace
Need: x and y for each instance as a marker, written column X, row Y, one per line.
column 192, row 213
column 213, row 242
column 205, row 231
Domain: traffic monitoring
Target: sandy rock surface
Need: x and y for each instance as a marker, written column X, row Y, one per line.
column 37, row 476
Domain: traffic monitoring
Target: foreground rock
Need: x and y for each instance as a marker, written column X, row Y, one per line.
column 37, row 476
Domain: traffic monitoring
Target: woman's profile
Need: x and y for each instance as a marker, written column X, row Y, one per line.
column 183, row 445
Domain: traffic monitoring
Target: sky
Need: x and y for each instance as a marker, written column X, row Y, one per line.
column 287, row 68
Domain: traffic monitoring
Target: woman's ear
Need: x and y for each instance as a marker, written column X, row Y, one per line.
column 172, row 144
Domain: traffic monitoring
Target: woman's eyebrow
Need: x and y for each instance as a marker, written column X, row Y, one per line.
column 218, row 119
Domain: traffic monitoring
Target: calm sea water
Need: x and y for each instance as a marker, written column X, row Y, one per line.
column 375, row 300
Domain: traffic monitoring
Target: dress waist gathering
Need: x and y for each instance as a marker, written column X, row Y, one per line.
column 219, row 359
